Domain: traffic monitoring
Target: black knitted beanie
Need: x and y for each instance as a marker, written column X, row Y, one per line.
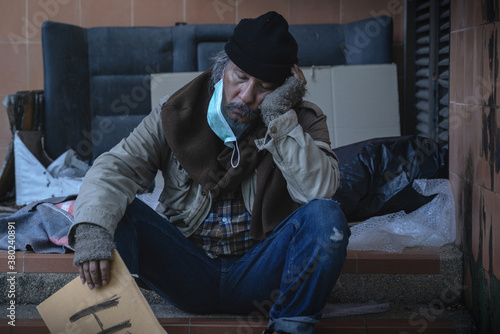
column 263, row 47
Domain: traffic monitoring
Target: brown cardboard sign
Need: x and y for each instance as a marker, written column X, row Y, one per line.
column 119, row 307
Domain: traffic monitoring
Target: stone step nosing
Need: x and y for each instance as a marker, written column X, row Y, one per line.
column 427, row 262
column 397, row 317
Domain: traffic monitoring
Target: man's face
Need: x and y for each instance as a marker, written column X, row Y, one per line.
column 243, row 94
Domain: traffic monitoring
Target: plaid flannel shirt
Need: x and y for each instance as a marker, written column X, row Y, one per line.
column 226, row 230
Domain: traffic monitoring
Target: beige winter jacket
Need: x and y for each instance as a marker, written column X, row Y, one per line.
column 118, row 175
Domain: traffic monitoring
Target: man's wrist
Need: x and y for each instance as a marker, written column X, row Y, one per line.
column 92, row 242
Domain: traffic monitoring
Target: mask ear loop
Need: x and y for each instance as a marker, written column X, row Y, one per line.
column 236, row 148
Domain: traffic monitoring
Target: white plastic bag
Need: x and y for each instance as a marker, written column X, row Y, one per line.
column 34, row 182
column 431, row 225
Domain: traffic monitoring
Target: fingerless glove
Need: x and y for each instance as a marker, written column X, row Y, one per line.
column 92, row 242
column 282, row 99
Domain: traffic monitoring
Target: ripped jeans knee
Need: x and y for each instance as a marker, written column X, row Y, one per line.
column 324, row 220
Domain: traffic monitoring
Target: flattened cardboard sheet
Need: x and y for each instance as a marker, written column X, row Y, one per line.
column 119, row 307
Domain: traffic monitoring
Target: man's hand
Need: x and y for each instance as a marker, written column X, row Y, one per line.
column 93, row 254
column 284, row 97
column 297, row 72
column 95, row 273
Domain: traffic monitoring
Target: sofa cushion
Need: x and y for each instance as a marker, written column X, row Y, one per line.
column 93, row 72
column 194, row 45
column 368, row 41
column 319, row 44
column 66, row 86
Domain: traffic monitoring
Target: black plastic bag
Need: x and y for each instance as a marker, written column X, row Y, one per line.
column 376, row 175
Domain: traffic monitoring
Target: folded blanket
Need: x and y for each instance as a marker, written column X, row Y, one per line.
column 41, row 227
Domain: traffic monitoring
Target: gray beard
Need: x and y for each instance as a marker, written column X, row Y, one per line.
column 243, row 108
column 237, row 127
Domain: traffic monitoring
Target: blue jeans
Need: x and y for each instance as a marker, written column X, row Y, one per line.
column 286, row 277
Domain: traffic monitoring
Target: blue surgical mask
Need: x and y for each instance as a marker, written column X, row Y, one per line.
column 218, row 124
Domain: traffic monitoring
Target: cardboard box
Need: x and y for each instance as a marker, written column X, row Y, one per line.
column 163, row 84
column 360, row 101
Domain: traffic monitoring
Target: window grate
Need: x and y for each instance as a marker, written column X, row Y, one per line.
column 427, row 61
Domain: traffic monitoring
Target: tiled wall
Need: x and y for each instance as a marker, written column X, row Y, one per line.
column 475, row 151
column 20, row 22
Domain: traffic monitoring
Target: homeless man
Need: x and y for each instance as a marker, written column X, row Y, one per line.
column 244, row 218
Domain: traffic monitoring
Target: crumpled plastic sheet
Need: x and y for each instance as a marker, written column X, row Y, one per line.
column 431, row 225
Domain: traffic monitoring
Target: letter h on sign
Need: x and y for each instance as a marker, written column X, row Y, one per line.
column 94, row 309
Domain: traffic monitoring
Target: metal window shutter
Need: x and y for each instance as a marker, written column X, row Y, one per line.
column 431, row 69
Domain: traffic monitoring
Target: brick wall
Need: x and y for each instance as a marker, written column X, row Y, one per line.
column 475, row 152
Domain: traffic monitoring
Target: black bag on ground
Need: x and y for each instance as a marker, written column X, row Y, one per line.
column 376, row 176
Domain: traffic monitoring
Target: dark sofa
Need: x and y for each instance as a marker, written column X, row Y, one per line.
column 97, row 80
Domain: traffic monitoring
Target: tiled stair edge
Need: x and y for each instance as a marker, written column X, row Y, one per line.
column 420, row 261
column 229, row 326
column 397, row 319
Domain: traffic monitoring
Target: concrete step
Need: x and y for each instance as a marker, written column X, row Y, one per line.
column 418, row 291
column 418, row 275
